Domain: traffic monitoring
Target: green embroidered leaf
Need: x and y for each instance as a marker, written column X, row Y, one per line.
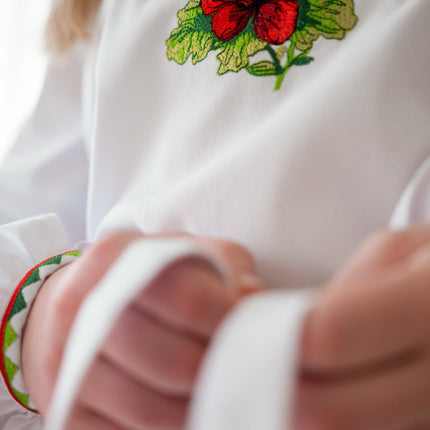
column 235, row 54
column 193, row 37
column 301, row 61
column 280, row 52
column 328, row 18
column 262, row 68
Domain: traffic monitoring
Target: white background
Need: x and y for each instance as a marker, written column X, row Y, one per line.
column 21, row 62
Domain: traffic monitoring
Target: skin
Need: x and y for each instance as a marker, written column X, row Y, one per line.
column 364, row 358
column 365, row 361
column 143, row 376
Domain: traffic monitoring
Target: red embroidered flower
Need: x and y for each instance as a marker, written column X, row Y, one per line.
column 274, row 20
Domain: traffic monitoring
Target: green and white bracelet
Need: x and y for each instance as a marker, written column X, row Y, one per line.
column 14, row 320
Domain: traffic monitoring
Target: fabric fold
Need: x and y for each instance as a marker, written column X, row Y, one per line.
column 140, row 264
column 248, row 379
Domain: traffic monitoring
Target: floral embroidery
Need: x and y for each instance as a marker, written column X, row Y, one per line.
column 239, row 29
column 274, row 20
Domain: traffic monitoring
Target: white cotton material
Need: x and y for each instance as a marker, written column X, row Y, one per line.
column 122, row 138
column 252, row 364
column 23, row 245
column 414, row 205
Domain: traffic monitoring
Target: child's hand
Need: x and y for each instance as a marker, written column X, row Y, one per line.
column 145, row 373
column 365, row 350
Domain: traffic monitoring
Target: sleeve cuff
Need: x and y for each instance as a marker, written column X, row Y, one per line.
column 26, row 250
column 248, row 378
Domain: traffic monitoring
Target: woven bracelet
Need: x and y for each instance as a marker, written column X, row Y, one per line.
column 14, row 320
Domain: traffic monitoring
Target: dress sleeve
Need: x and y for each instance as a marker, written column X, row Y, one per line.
column 248, row 379
column 23, row 245
column 43, row 181
column 46, row 170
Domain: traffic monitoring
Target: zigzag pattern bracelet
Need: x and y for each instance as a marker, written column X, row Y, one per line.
column 14, row 320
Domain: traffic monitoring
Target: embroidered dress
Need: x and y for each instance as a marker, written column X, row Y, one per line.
column 125, row 137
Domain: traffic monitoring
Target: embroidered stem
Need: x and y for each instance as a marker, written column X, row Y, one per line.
column 291, row 61
column 278, row 67
column 290, row 56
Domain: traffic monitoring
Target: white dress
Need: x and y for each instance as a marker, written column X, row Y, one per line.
column 158, row 125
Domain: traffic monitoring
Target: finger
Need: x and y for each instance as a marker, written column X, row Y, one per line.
column 78, row 280
column 154, row 355
column 171, row 234
column 95, row 260
column 421, row 422
column 190, row 296
column 118, row 397
column 83, row 275
column 237, row 257
column 84, row 419
column 381, row 401
column 385, row 249
column 241, row 263
column 369, row 322
column 248, row 285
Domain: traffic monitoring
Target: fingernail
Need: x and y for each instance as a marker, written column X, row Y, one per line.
column 249, row 282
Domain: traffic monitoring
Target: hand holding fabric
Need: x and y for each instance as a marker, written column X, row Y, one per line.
column 365, row 353
column 144, row 374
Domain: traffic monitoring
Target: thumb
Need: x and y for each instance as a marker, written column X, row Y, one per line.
column 237, row 258
column 240, row 262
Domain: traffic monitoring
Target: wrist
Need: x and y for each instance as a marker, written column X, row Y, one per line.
column 13, row 323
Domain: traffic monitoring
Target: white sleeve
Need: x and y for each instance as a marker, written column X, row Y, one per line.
column 46, row 170
column 248, row 379
column 23, row 245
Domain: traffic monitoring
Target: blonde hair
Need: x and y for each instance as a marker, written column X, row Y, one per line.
column 69, row 22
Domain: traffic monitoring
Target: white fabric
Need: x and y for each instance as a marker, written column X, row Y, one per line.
column 299, row 176
column 414, row 205
column 47, row 168
column 20, row 52
column 23, row 245
column 247, row 383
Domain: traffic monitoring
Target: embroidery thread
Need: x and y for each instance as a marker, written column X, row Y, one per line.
column 239, row 29
column 13, row 323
